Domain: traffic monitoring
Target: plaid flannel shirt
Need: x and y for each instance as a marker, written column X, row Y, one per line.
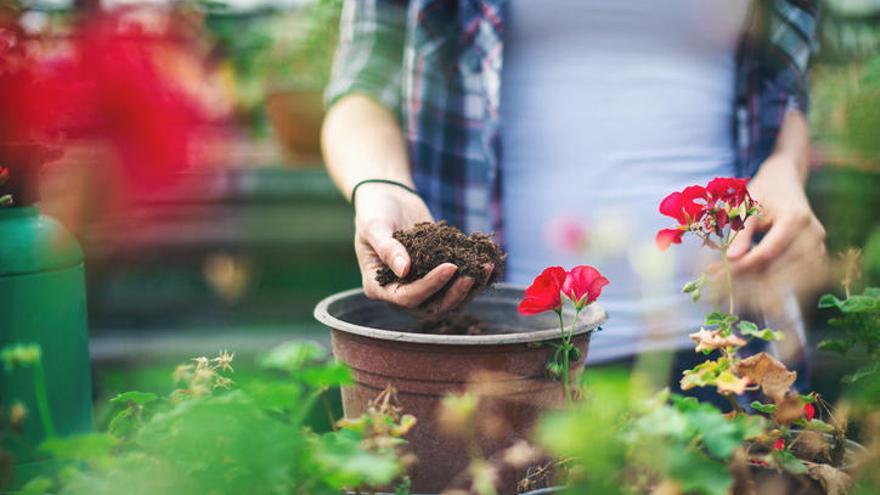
column 437, row 65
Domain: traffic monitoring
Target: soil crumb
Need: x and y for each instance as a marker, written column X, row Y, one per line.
column 432, row 244
column 456, row 323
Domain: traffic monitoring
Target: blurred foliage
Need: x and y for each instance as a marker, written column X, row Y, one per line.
column 272, row 49
column 210, row 435
column 849, row 29
column 858, row 325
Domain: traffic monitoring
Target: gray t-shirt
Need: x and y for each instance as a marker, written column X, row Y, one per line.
column 606, row 107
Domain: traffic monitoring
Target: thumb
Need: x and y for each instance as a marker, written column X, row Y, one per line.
column 379, row 235
column 743, row 241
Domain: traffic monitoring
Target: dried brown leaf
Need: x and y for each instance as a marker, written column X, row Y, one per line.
column 833, row 480
column 790, row 408
column 710, row 340
column 769, row 373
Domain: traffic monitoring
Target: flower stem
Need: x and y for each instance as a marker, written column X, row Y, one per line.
column 42, row 398
column 566, row 348
column 729, row 276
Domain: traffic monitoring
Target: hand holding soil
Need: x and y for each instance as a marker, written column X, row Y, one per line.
column 432, row 246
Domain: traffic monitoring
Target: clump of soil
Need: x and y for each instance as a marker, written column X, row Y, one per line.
column 432, row 244
column 456, row 323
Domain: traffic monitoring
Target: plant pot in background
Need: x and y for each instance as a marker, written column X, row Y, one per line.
column 42, row 301
column 296, row 116
column 505, row 367
column 769, row 481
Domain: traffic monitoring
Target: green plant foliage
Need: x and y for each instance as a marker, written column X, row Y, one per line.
column 592, row 433
column 690, row 443
column 210, row 436
column 858, row 323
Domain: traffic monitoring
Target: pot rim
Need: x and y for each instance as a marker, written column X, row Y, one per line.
column 591, row 318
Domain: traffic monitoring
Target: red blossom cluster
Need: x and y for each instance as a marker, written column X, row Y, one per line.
column 582, row 285
column 112, row 82
column 720, row 207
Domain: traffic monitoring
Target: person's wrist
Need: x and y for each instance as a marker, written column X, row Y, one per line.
column 788, row 164
column 378, row 192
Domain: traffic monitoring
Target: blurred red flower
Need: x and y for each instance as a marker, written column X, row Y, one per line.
column 809, row 411
column 583, row 285
column 545, row 293
column 779, row 445
column 111, row 85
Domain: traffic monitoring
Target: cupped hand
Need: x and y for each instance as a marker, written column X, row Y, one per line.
column 381, row 209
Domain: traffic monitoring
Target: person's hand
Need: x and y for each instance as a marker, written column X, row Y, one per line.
column 380, row 210
column 794, row 243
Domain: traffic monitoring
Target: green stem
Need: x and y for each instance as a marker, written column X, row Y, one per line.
column 733, row 403
column 565, row 350
column 42, row 398
column 729, row 276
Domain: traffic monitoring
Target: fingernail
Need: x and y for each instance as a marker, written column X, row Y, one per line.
column 398, row 265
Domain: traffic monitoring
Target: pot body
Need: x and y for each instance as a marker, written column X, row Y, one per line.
column 505, row 370
column 42, row 301
column 296, row 117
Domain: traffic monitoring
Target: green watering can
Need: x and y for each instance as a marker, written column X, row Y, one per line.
column 43, row 302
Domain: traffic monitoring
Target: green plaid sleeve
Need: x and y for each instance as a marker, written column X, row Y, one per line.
column 369, row 57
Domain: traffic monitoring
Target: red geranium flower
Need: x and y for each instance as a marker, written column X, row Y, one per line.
column 724, row 202
column 545, row 292
column 685, row 208
column 728, row 189
column 583, row 285
column 809, row 411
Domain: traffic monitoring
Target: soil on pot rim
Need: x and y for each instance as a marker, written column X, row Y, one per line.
column 432, row 244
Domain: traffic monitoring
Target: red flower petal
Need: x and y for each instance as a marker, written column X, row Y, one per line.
column 545, row 292
column 779, row 446
column 666, row 237
column 728, row 189
column 809, row 411
column 583, row 285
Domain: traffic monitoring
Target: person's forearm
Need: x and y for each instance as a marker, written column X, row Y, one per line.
column 362, row 140
column 792, row 152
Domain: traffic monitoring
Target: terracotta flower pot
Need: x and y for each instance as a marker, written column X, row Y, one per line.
column 505, row 367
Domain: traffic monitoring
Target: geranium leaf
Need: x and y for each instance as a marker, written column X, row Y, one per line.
column 829, row 301
column 764, row 408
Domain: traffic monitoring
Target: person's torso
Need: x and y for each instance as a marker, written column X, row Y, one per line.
column 606, row 107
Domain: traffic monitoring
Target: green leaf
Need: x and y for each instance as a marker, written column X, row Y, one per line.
column 764, row 408
column 751, row 426
column 829, row 301
column 749, row 329
column 345, row 463
column 139, row 398
column 862, row 372
column 816, row 425
column 80, row 447
column 291, row 356
column 860, row 304
column 40, row 485
column 715, row 318
column 121, row 424
column 790, row 463
column 331, row 375
column 839, row 346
